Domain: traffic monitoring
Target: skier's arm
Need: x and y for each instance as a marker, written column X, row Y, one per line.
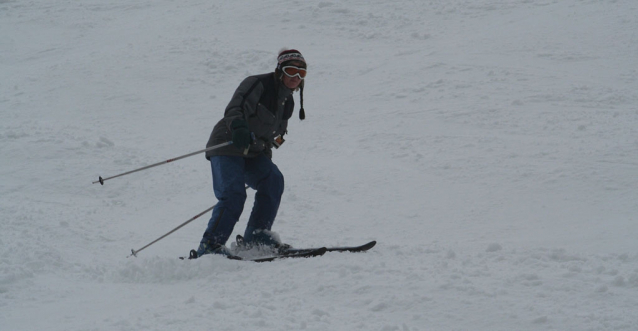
column 244, row 102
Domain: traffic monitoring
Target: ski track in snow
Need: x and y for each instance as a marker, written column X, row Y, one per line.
column 489, row 146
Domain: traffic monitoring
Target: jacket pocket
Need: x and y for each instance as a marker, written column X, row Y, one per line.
column 262, row 123
column 265, row 115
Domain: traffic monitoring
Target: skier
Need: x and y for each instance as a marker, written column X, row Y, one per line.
column 255, row 120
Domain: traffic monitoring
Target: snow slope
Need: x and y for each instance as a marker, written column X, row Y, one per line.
column 489, row 146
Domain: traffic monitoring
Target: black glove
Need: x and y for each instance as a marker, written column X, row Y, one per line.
column 241, row 135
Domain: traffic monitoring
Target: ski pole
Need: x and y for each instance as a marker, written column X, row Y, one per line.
column 134, row 252
column 102, row 180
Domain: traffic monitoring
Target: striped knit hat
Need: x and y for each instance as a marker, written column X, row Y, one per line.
column 290, row 55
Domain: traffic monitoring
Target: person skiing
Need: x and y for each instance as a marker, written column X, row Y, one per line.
column 255, row 120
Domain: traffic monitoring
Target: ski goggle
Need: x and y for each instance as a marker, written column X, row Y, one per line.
column 292, row 71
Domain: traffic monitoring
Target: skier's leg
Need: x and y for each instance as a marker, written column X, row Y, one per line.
column 264, row 176
column 228, row 185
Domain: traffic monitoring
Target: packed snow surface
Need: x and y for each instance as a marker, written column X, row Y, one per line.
column 489, row 146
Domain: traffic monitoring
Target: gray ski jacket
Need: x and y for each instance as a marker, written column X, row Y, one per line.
column 265, row 104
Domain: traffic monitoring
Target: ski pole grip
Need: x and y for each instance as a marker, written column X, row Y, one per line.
column 252, row 141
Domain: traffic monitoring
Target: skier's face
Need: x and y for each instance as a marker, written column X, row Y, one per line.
column 292, row 82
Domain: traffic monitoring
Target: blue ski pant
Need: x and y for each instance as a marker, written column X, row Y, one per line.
column 230, row 175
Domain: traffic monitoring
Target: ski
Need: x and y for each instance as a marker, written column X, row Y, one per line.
column 313, row 253
column 286, row 249
column 286, row 255
column 352, row 249
column 287, row 252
